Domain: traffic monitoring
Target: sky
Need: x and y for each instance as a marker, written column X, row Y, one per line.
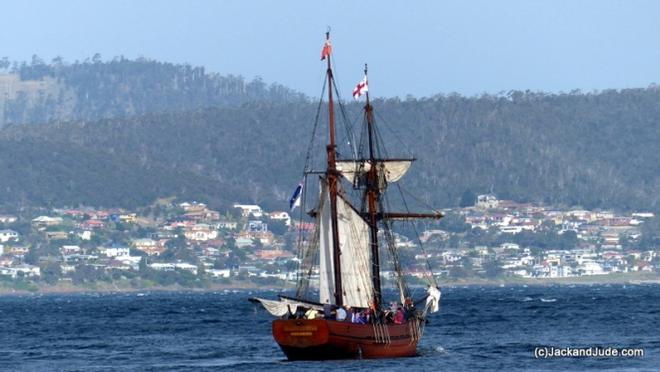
column 418, row 48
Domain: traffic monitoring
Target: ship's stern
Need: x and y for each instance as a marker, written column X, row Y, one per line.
column 305, row 339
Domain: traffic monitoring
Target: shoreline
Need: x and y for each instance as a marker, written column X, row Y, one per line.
column 623, row 278
column 122, row 287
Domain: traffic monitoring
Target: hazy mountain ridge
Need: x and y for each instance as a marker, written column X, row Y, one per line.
column 91, row 90
column 594, row 150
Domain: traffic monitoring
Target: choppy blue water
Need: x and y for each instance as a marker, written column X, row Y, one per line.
column 494, row 328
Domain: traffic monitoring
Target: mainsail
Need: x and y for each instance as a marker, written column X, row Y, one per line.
column 355, row 258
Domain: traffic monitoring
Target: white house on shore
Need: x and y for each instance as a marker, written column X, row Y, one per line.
column 281, row 216
column 166, row 266
column 250, row 209
column 24, row 270
column 7, row 235
column 219, row 273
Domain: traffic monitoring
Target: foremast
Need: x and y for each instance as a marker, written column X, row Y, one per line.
column 332, row 178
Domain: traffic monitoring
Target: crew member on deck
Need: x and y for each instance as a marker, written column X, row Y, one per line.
column 327, row 310
column 311, row 314
column 349, row 313
column 398, row 316
column 341, row 314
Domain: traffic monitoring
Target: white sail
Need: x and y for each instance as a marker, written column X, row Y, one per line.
column 326, row 265
column 284, row 306
column 356, row 266
column 389, row 170
column 355, row 258
column 433, row 299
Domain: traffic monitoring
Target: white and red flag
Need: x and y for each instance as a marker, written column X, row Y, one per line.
column 327, row 49
column 361, row 88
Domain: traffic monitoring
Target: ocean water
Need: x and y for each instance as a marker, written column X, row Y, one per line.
column 493, row 328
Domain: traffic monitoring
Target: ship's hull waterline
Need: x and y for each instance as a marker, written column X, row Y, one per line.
column 320, row 339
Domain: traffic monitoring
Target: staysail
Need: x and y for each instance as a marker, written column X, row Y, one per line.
column 389, row 170
column 355, row 258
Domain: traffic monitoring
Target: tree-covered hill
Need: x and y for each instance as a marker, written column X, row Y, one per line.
column 591, row 150
column 40, row 92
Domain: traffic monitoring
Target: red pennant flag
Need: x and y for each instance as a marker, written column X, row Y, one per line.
column 327, row 49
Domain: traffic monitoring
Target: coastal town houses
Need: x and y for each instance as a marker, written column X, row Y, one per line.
column 46, row 221
column 226, row 225
column 56, row 235
column 250, row 209
column 280, row 216
column 23, row 270
column 241, row 245
column 114, row 252
column 148, row 246
column 68, row 250
column 200, row 232
column 92, row 224
column 8, row 235
column 8, row 218
column 16, row 251
column 199, row 212
column 173, row 266
column 486, row 201
column 273, row 254
column 219, row 273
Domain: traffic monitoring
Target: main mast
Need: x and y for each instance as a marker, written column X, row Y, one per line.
column 373, row 197
column 375, row 183
column 332, row 177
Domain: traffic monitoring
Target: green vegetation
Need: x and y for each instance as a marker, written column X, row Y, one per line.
column 93, row 89
column 590, row 150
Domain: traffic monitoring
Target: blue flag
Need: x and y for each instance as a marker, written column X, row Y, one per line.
column 295, row 197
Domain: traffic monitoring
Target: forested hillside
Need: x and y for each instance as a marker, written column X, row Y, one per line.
column 38, row 92
column 591, row 150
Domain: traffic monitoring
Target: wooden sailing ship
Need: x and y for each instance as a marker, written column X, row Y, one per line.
column 344, row 250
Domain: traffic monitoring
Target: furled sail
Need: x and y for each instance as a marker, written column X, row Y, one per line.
column 355, row 258
column 389, row 170
column 284, row 306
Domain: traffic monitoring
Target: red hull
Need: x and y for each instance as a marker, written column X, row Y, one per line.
column 319, row 339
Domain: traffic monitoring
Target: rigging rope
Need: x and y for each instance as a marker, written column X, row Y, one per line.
column 396, row 135
column 308, row 249
column 426, row 259
column 347, row 124
column 303, row 281
column 308, row 155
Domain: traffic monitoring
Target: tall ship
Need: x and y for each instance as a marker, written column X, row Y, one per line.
column 345, row 315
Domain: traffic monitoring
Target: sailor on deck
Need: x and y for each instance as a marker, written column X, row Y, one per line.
column 341, row 314
column 327, row 310
column 311, row 314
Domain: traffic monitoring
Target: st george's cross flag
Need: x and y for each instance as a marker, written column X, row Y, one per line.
column 361, row 88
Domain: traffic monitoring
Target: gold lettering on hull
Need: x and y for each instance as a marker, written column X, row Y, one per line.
column 300, row 328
